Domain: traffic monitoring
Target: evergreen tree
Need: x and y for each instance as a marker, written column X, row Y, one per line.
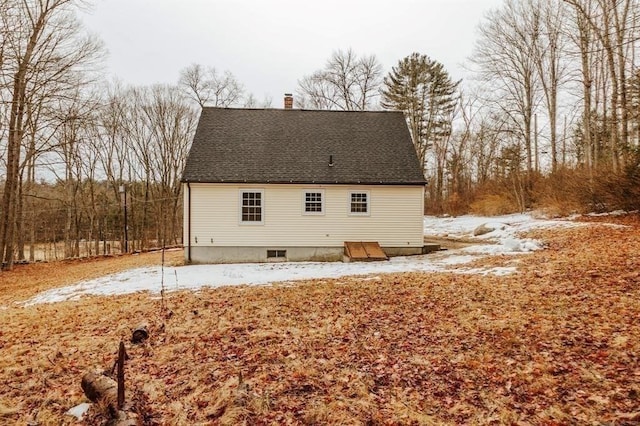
column 421, row 88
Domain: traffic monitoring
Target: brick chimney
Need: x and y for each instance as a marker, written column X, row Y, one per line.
column 288, row 101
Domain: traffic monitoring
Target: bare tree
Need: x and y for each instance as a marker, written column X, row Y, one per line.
column 485, row 146
column 76, row 165
column 315, row 92
column 505, row 56
column 583, row 39
column 161, row 137
column 461, row 152
column 250, row 101
column 612, row 23
column 549, row 17
column 208, row 87
column 110, row 136
column 111, row 140
column 347, row 82
column 42, row 47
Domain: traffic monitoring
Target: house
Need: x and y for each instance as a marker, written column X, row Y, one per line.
column 288, row 184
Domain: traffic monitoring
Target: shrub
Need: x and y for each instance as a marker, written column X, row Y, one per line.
column 562, row 193
column 493, row 205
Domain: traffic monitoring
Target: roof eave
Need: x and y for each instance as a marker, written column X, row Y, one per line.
column 303, row 182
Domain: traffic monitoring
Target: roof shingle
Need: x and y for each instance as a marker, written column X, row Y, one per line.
column 294, row 146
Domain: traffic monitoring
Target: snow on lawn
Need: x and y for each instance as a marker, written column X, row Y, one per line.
column 501, row 237
column 501, row 231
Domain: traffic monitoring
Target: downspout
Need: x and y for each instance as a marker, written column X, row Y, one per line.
column 189, row 221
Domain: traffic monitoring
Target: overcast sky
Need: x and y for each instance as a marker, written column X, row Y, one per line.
column 270, row 44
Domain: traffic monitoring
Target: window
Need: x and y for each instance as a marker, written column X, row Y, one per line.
column 360, row 203
column 313, row 202
column 251, row 206
column 276, row 254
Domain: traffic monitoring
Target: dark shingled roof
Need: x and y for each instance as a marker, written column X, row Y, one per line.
column 294, row 146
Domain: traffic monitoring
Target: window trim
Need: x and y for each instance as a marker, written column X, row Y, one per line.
column 352, row 213
column 304, row 202
column 243, row 191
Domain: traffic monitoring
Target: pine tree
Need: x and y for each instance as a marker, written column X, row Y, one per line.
column 421, row 88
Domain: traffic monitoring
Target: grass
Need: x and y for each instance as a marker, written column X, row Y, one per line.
column 556, row 343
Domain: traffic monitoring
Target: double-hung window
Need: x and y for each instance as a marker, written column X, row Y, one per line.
column 252, row 206
column 313, row 202
column 359, row 202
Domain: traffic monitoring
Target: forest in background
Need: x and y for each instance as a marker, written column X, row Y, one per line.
column 550, row 120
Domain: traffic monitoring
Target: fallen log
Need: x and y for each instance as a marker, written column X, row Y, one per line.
column 100, row 388
column 104, row 390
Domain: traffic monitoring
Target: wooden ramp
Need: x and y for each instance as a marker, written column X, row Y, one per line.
column 363, row 251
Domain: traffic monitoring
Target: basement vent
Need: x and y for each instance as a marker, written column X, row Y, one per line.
column 276, row 254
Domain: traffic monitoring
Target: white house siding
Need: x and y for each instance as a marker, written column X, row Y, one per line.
column 394, row 220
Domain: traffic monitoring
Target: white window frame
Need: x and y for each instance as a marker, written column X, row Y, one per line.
column 304, row 202
column 241, row 192
column 368, row 194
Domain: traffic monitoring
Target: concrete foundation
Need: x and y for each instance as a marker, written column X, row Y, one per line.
column 200, row 254
column 402, row 251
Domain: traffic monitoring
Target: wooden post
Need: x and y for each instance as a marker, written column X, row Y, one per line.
column 121, row 357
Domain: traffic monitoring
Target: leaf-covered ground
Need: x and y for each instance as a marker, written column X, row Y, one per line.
column 556, row 343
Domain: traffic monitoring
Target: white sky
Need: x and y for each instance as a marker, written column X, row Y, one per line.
column 270, row 44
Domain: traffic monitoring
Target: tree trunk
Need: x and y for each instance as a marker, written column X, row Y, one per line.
column 20, row 221
column 620, row 25
column 14, row 143
column 9, row 198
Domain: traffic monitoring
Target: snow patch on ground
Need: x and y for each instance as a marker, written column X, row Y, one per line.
column 613, row 213
column 507, row 226
column 498, row 271
column 194, row 277
column 502, row 240
column 79, row 410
